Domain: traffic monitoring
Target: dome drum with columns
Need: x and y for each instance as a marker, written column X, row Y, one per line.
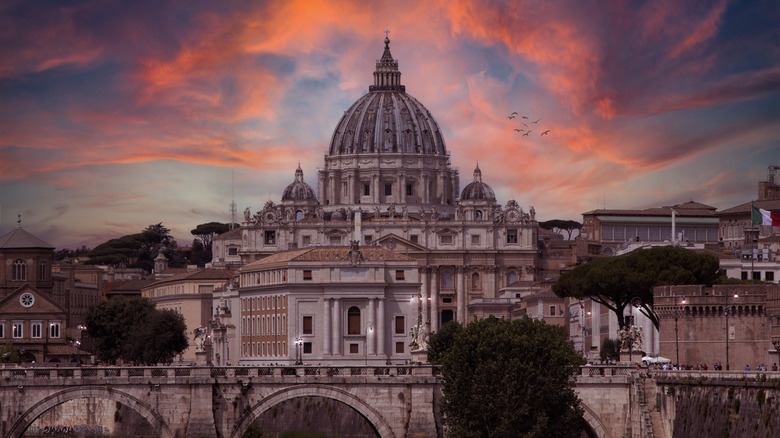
column 388, row 162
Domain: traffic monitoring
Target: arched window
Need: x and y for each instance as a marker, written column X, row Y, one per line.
column 353, row 321
column 42, row 272
column 511, row 277
column 475, row 281
column 298, row 215
column 477, row 215
column 19, row 270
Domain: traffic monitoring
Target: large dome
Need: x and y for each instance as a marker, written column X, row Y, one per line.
column 387, row 119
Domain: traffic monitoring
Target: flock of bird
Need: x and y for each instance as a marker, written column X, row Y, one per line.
column 526, row 131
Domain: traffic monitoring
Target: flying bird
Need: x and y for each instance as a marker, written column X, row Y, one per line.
column 526, row 134
column 538, row 121
column 525, row 117
column 525, row 125
column 514, row 113
column 519, row 130
column 510, row 117
column 545, row 132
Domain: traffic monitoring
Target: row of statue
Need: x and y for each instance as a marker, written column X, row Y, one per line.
column 277, row 213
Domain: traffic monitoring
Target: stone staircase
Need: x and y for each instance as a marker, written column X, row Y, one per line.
column 645, row 412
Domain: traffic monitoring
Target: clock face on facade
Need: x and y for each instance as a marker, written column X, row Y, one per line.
column 512, row 215
column 27, row 299
column 270, row 216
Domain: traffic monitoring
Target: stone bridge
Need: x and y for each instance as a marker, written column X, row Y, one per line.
column 397, row 401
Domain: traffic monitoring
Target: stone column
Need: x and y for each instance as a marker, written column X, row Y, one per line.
column 337, row 338
column 380, row 326
column 460, row 295
column 424, row 189
column 402, row 188
column 434, row 299
column 323, row 187
column 371, row 323
column 350, row 196
column 375, row 191
column 331, row 190
column 491, row 282
column 424, row 295
column 326, row 327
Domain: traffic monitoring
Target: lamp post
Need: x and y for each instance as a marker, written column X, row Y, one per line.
column 676, row 337
column 298, row 345
column 727, row 329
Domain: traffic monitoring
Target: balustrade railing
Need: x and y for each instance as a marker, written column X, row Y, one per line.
column 38, row 372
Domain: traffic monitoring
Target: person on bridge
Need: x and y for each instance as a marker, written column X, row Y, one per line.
column 747, row 367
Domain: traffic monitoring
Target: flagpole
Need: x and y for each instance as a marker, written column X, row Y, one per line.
column 752, row 250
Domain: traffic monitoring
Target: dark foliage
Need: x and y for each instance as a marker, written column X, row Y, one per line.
column 503, row 378
column 616, row 282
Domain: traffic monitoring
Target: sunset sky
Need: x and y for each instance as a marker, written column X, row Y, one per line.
column 115, row 115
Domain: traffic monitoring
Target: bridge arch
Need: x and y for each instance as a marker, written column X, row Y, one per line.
column 26, row 419
column 356, row 403
column 594, row 421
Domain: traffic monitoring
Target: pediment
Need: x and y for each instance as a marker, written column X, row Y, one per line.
column 398, row 244
column 41, row 302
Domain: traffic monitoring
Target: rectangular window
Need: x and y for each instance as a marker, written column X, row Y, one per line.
column 308, row 328
column 446, row 240
column 354, row 349
column 475, row 239
column 552, row 310
column 42, row 272
column 757, row 275
column 388, row 189
column 511, row 236
column 306, row 240
column 18, row 332
column 446, row 300
column 400, row 325
column 414, row 238
column 409, row 190
column 744, row 275
column 769, row 276
column 399, row 275
column 232, row 251
column 2, row 329
column 35, row 329
column 270, row 237
column 399, row 347
column 307, row 348
column 335, row 240
column 366, row 189
column 307, row 274
column 368, row 239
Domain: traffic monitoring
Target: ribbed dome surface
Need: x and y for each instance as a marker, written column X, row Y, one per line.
column 477, row 190
column 298, row 190
column 387, row 119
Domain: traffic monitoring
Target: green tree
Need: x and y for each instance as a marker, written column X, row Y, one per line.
column 206, row 232
column 610, row 350
column 509, row 378
column 135, row 331
column 441, row 342
column 136, row 250
column 618, row 282
column 559, row 225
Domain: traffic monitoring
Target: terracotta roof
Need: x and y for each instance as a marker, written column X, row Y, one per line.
column 18, row 238
column 767, row 204
column 329, row 253
column 690, row 208
column 200, row 274
column 235, row 233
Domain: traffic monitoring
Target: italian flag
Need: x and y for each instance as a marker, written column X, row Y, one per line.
column 763, row 217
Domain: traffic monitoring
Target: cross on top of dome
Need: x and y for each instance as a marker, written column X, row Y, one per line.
column 387, row 77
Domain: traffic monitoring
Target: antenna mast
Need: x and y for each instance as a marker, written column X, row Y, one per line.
column 233, row 200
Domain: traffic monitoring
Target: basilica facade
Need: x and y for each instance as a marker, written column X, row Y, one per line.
column 387, row 181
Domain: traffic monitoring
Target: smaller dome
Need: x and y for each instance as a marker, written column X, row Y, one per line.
column 299, row 190
column 477, row 190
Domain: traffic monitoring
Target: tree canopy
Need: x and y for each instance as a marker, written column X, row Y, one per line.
column 135, row 331
column 205, row 232
column 507, row 378
column 137, row 250
column 559, row 225
column 616, row 282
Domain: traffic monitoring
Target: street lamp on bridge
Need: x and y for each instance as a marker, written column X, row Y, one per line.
column 298, row 346
column 727, row 329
